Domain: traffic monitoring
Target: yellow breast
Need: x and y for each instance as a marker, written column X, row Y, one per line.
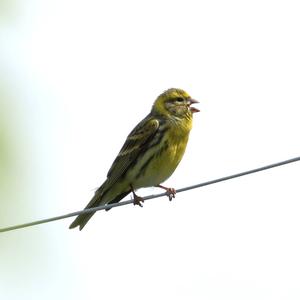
column 168, row 155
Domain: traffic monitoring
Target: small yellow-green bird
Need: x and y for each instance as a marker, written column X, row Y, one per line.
column 151, row 152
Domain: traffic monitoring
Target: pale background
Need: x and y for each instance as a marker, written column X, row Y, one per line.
column 76, row 76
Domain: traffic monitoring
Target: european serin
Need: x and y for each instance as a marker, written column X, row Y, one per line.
column 151, row 152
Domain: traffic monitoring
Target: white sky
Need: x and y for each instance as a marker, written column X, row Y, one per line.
column 83, row 73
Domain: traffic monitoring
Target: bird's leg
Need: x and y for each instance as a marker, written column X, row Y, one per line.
column 171, row 192
column 136, row 199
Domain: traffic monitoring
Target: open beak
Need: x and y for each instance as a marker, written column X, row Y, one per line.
column 193, row 109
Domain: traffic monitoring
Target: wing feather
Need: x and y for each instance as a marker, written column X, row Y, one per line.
column 135, row 144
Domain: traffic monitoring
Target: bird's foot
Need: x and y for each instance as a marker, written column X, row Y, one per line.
column 137, row 199
column 171, row 192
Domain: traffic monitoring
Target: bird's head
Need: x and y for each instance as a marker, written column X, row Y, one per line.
column 174, row 102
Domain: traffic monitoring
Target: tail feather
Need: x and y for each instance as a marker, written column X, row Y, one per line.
column 82, row 219
column 97, row 200
column 117, row 199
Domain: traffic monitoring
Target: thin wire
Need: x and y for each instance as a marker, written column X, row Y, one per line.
column 108, row 206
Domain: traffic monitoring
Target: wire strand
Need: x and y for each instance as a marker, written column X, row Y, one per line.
column 108, row 206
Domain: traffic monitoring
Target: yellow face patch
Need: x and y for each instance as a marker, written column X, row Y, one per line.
column 167, row 97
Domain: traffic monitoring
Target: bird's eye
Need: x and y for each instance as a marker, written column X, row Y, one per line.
column 179, row 99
